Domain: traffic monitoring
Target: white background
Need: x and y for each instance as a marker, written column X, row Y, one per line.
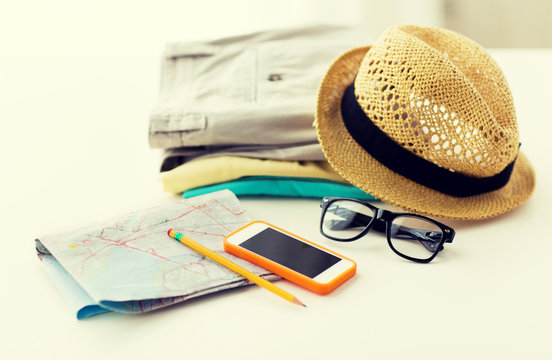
column 77, row 82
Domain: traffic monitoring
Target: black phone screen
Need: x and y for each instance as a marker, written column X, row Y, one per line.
column 290, row 252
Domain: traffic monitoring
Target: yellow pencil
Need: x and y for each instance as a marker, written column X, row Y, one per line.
column 232, row 266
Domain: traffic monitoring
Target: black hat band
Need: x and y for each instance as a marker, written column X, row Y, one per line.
column 400, row 160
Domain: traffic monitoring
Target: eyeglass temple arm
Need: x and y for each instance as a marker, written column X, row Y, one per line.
column 429, row 239
column 421, row 234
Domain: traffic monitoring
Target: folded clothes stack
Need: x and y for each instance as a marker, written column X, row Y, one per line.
column 237, row 113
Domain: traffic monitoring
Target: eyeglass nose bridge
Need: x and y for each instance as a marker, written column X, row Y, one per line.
column 381, row 214
column 379, row 221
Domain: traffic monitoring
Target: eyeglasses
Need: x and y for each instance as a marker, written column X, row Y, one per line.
column 414, row 237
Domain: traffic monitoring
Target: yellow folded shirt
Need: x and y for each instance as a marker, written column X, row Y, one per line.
column 218, row 169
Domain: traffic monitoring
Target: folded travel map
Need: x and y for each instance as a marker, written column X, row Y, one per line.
column 130, row 265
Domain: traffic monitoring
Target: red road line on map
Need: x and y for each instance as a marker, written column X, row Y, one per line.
column 215, row 220
column 116, row 243
column 151, row 251
column 54, row 242
column 106, row 239
column 186, row 213
column 185, row 267
column 122, row 238
column 132, row 239
column 227, row 209
column 155, row 255
column 91, row 256
column 200, row 232
column 84, row 244
column 142, row 222
column 167, row 221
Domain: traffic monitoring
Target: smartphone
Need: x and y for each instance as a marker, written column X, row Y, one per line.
column 290, row 256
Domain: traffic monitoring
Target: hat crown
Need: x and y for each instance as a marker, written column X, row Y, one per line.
column 441, row 96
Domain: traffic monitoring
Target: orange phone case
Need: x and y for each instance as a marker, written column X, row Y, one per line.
column 285, row 272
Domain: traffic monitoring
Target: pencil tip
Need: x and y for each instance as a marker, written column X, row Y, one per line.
column 296, row 301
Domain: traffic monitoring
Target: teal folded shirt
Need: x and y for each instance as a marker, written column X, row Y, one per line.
column 283, row 186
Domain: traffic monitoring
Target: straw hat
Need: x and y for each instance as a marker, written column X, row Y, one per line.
column 424, row 119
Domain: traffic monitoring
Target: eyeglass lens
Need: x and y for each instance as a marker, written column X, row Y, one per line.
column 415, row 237
column 346, row 219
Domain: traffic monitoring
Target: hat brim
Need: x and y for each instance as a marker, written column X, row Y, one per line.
column 354, row 163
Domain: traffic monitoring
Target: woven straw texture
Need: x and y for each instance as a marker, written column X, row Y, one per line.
column 439, row 95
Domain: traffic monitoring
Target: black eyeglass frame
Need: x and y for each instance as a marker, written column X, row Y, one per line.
column 385, row 218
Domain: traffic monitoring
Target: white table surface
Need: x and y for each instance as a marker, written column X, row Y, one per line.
column 74, row 150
